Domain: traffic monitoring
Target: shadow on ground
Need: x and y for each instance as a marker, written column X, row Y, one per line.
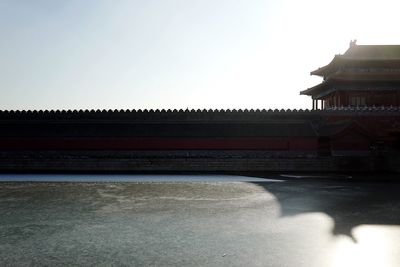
column 349, row 204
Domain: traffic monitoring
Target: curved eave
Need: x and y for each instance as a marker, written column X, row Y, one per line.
column 313, row 90
column 326, row 69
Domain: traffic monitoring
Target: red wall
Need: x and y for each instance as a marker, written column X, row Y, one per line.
column 147, row 143
column 351, row 141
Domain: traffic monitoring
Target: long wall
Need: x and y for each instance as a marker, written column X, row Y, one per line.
column 183, row 161
column 215, row 140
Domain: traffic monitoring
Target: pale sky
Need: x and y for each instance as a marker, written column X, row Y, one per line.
column 130, row 54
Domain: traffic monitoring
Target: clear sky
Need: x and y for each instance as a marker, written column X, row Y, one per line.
column 130, row 54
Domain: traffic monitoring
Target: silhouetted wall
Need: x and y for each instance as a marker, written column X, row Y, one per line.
column 208, row 140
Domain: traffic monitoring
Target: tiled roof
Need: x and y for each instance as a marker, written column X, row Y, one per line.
column 364, row 55
column 152, row 115
column 373, row 52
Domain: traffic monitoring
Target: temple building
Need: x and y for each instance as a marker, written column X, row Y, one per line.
column 354, row 127
column 364, row 76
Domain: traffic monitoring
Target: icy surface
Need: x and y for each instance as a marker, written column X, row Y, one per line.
column 197, row 222
column 128, row 178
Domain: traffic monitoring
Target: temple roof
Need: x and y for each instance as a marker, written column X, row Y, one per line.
column 365, row 65
column 373, row 52
column 351, row 83
column 364, row 55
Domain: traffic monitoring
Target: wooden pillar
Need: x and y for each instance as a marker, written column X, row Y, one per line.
column 313, row 104
column 344, row 99
column 398, row 98
column 322, row 104
column 316, row 104
column 369, row 99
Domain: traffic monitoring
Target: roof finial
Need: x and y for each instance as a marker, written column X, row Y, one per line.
column 353, row 42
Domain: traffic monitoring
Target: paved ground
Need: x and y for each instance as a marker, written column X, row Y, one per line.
column 200, row 222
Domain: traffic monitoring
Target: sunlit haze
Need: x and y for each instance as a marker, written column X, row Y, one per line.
column 131, row 54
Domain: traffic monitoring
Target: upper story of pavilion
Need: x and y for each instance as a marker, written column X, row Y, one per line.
column 364, row 76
